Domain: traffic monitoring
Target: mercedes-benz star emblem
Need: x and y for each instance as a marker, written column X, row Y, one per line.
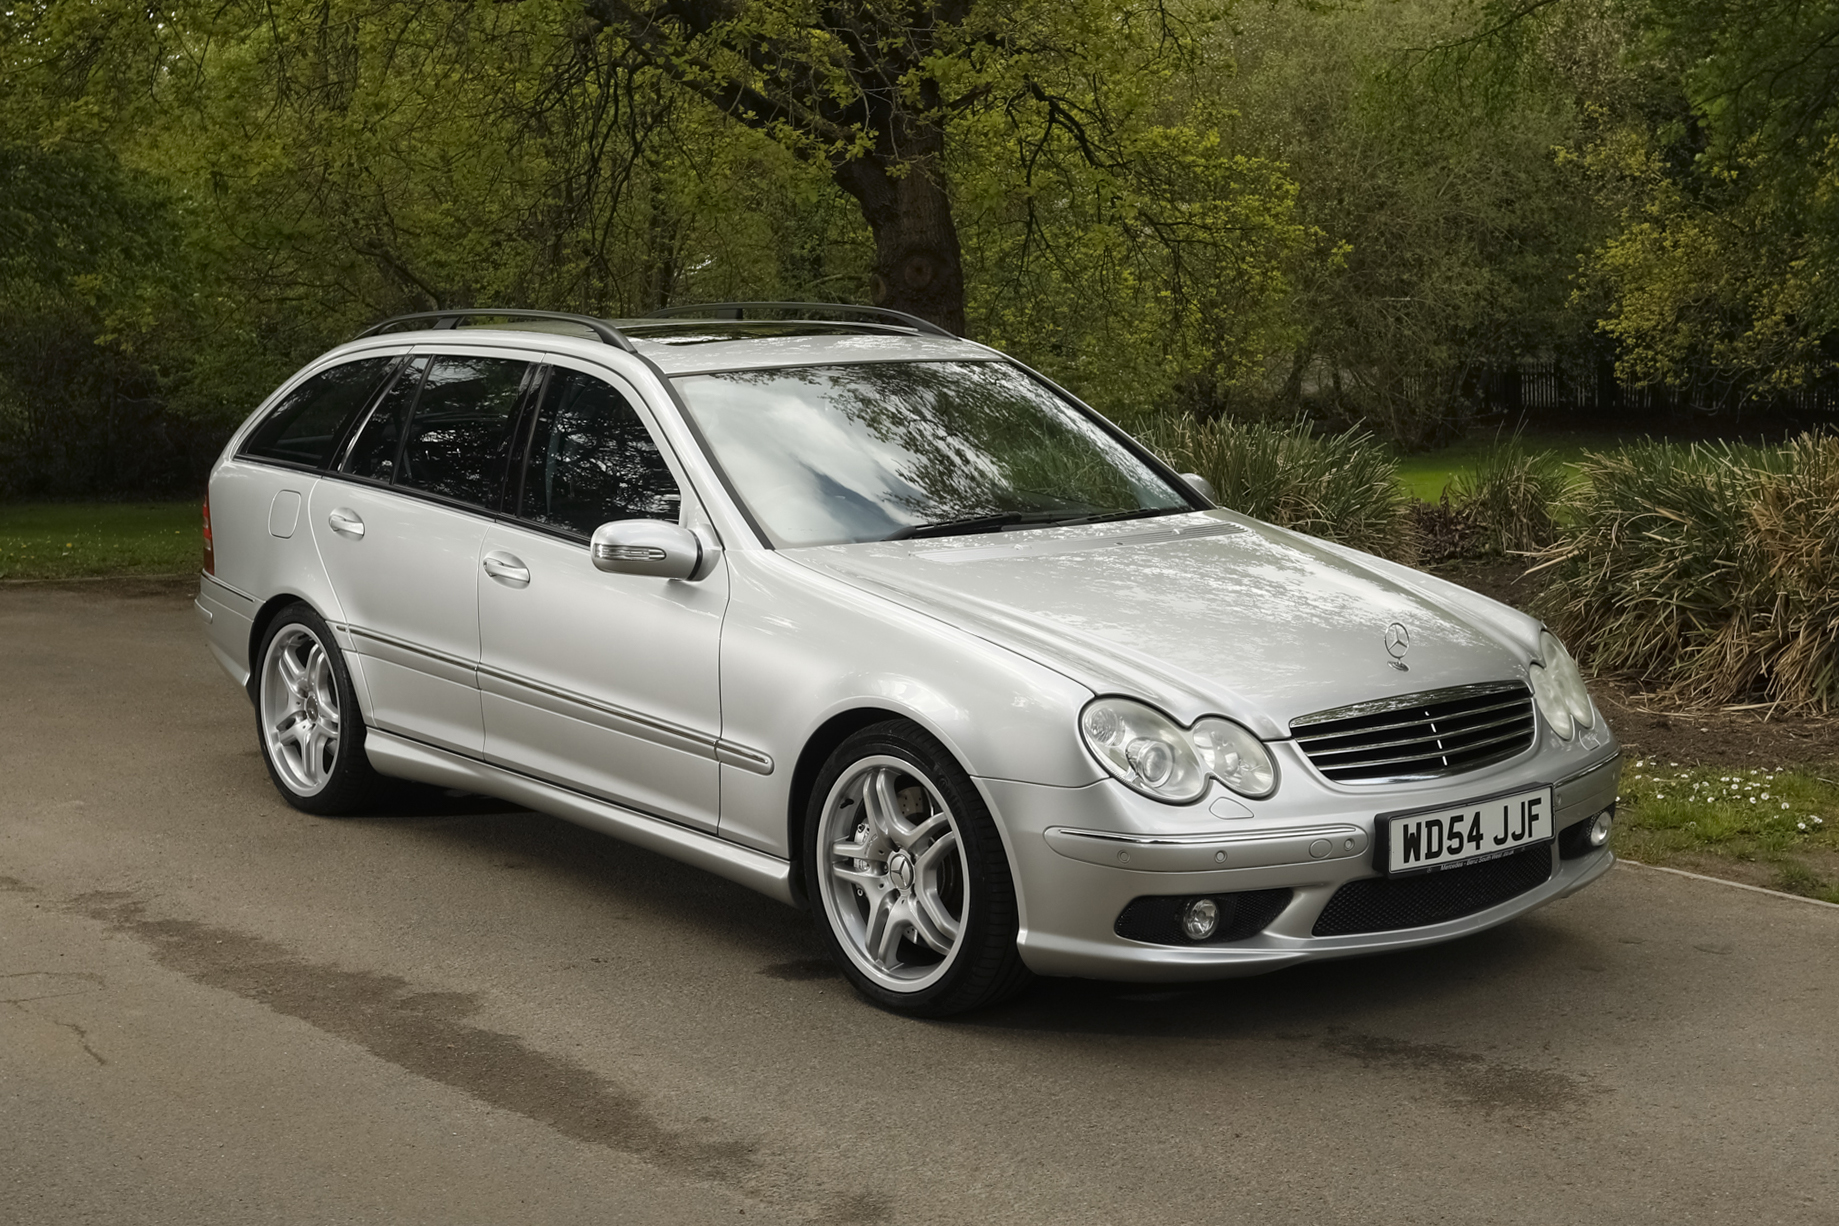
column 1398, row 642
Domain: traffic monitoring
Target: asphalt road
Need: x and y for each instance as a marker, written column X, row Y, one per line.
column 216, row 1009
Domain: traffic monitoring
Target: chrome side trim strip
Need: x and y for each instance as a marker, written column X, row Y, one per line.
column 558, row 701
column 621, row 719
column 731, row 753
column 1209, row 853
column 235, row 593
column 406, row 759
column 413, row 655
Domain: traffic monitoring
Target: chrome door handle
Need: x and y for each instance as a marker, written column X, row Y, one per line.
column 507, row 568
column 345, row 522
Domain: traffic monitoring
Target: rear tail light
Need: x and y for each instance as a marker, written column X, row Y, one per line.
column 210, row 551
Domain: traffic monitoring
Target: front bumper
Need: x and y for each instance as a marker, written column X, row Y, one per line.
column 1082, row 854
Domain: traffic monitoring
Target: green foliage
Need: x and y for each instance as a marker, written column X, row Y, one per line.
column 1342, row 487
column 1710, row 570
column 1782, row 817
column 1508, row 502
column 1726, row 184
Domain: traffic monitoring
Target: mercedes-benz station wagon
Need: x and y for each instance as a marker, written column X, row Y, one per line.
column 883, row 624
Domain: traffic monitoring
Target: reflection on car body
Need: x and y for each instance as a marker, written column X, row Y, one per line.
column 878, row 622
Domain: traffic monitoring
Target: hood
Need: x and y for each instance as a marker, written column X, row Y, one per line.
column 1198, row 613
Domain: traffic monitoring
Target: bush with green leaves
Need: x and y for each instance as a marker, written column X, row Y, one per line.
column 1343, row 486
column 1709, row 570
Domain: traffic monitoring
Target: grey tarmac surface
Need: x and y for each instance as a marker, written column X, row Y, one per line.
column 216, row 1009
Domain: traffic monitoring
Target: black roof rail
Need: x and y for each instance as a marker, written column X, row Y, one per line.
column 738, row 310
column 451, row 319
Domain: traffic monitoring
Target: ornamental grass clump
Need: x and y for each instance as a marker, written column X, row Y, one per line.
column 1342, row 487
column 1711, row 571
column 1508, row 502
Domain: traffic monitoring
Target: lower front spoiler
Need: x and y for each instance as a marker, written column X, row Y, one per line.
column 1048, row 954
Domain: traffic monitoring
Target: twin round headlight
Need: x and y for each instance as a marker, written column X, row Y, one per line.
column 1161, row 759
column 1558, row 687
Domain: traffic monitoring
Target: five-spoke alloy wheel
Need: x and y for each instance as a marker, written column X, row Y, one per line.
column 307, row 717
column 908, row 876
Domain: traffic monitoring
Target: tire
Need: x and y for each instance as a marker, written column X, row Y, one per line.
column 307, row 720
column 923, row 921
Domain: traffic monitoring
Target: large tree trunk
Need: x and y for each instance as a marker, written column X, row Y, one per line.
column 919, row 267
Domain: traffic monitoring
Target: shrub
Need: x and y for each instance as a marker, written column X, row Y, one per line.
column 1343, row 487
column 1710, row 570
column 1509, row 502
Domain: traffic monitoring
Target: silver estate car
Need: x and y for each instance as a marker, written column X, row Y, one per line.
column 881, row 623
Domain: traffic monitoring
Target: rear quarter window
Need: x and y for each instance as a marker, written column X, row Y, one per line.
column 309, row 421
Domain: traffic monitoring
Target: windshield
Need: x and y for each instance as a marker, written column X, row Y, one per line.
column 825, row 455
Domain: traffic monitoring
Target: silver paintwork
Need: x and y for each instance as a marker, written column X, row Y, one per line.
column 674, row 713
column 646, row 547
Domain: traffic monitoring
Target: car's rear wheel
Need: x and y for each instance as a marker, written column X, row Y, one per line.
column 908, row 878
column 307, row 717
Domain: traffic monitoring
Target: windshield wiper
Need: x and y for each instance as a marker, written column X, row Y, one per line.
column 1139, row 513
column 978, row 523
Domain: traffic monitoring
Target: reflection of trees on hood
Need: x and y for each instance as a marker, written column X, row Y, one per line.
column 977, row 437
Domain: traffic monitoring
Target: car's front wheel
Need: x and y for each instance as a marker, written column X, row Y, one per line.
column 907, row 876
column 307, row 717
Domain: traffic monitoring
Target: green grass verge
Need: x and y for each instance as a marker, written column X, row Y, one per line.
column 71, row 540
column 1780, row 826
column 1426, row 473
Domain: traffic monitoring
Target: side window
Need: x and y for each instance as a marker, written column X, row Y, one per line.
column 373, row 451
column 306, row 424
column 459, row 436
column 592, row 460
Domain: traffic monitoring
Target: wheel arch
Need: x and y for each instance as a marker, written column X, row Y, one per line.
column 811, row 758
column 258, row 630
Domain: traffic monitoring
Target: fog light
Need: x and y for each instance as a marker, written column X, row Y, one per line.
column 1599, row 829
column 1200, row 918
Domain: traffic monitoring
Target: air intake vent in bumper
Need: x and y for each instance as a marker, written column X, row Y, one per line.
column 1381, row 904
column 1419, row 736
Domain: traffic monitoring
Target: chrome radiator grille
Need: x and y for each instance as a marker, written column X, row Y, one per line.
column 1419, row 736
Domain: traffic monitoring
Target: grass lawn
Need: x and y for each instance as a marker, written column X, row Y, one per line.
column 68, row 540
column 1779, row 827
column 1426, row 473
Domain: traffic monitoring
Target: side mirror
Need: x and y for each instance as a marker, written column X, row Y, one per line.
column 1201, row 486
column 646, row 547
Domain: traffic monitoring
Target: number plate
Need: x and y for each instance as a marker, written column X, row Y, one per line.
column 1465, row 833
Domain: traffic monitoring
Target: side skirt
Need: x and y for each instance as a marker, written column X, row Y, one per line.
column 405, row 759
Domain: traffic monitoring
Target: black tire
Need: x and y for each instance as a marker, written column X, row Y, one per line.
column 331, row 780
column 972, row 888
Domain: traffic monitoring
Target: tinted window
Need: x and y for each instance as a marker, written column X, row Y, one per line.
column 459, row 436
column 592, row 460
column 373, row 452
column 305, row 425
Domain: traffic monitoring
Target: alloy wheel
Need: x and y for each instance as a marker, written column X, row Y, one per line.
column 894, row 873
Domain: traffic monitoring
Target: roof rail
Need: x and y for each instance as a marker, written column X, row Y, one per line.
column 451, row 319
column 738, row 310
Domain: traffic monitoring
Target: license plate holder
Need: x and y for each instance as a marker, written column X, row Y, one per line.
column 1488, row 828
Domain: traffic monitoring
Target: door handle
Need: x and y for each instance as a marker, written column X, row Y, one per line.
column 345, row 522
column 507, row 568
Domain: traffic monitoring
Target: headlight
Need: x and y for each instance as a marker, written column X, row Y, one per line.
column 1558, row 687
column 1156, row 756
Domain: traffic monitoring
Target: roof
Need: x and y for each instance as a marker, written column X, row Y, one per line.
column 682, row 345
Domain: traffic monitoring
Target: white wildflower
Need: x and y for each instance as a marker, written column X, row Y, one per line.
column 1784, row 804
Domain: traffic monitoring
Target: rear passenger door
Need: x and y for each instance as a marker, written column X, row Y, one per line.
column 400, row 525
